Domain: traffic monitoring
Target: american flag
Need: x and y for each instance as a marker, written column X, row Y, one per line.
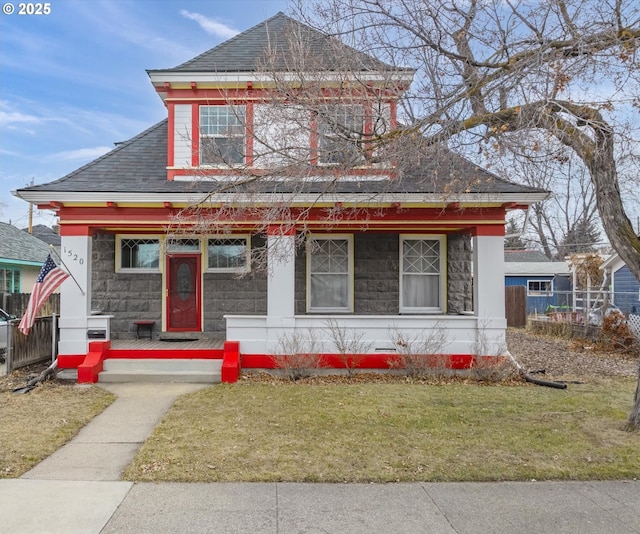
column 50, row 277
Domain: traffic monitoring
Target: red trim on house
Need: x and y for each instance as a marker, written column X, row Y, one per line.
column 281, row 229
column 393, row 111
column 313, row 139
column 98, row 215
column 171, row 109
column 374, row 361
column 231, row 362
column 195, row 135
column 75, row 229
column 92, row 365
column 248, row 121
column 165, row 354
column 70, row 361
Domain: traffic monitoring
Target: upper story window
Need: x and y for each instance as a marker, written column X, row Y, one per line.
column 222, row 135
column 421, row 274
column 340, row 134
column 136, row 254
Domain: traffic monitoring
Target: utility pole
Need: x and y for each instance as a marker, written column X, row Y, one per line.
column 31, row 213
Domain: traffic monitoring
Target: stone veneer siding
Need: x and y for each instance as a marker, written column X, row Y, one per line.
column 132, row 296
column 126, row 296
column 459, row 274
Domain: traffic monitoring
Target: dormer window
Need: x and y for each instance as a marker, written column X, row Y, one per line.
column 222, row 135
column 340, row 134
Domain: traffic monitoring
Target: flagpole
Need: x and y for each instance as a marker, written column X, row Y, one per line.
column 67, row 268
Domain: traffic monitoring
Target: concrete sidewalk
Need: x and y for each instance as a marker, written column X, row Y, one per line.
column 68, row 507
column 78, row 490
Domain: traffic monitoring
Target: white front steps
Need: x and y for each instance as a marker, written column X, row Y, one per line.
column 194, row 371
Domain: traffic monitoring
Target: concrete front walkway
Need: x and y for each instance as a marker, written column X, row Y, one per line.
column 103, row 449
column 78, row 490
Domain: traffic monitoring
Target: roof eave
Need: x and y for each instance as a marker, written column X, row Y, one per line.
column 508, row 200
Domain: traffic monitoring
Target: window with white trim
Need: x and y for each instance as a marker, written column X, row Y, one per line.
column 228, row 254
column 340, row 134
column 539, row 288
column 138, row 254
column 222, row 135
column 330, row 273
column 422, row 274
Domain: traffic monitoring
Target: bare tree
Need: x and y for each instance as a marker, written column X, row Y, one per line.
column 489, row 73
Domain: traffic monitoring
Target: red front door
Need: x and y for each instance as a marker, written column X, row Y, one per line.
column 183, row 293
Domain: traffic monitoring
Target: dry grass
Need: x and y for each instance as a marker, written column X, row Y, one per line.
column 382, row 432
column 34, row 425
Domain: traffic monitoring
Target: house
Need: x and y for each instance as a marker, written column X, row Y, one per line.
column 624, row 287
column 548, row 283
column 46, row 234
column 269, row 152
column 21, row 258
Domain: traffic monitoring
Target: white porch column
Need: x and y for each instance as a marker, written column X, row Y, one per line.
column 281, row 250
column 75, row 302
column 488, row 272
column 488, row 295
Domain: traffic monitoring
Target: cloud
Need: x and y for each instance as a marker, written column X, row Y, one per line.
column 211, row 26
column 9, row 116
column 81, row 154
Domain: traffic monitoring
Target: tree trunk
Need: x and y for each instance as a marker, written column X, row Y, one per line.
column 633, row 424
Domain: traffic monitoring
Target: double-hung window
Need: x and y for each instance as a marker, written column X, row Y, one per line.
column 138, row 254
column 330, row 273
column 340, row 134
column 222, row 135
column 421, row 274
column 229, row 254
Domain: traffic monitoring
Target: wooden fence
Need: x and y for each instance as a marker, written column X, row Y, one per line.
column 515, row 301
column 39, row 346
column 16, row 304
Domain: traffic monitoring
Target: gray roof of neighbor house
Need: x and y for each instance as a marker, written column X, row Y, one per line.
column 139, row 166
column 525, row 256
column 536, row 268
column 21, row 247
column 44, row 233
column 273, row 41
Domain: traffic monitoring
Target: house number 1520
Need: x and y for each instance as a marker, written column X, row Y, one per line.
column 74, row 257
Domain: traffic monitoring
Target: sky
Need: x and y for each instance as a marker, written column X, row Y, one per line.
column 73, row 82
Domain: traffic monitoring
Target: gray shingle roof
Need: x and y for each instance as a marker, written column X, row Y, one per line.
column 20, row 246
column 536, row 268
column 523, row 256
column 139, row 166
column 274, row 37
column 44, row 233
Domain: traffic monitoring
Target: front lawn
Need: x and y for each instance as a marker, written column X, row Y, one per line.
column 384, row 432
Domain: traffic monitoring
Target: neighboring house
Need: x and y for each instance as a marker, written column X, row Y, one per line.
column 388, row 251
column 624, row 287
column 46, row 234
column 21, row 258
column 547, row 282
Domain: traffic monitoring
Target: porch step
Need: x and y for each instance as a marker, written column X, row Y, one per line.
column 195, row 371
